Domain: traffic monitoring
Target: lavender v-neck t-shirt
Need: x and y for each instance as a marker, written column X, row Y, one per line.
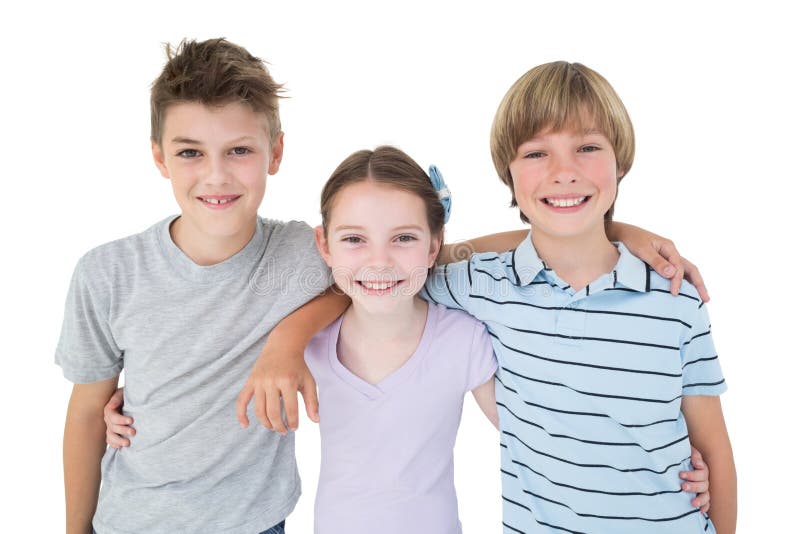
column 387, row 448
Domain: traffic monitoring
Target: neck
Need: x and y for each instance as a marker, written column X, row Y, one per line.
column 204, row 249
column 578, row 260
column 391, row 325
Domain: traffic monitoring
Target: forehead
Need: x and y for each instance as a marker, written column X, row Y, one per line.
column 376, row 206
column 194, row 120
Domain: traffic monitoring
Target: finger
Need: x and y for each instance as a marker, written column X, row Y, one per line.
column 676, row 281
column 697, row 461
column 116, row 418
column 260, row 408
column 660, row 264
column 706, row 507
column 116, row 441
column 290, row 408
column 122, row 430
column 693, row 275
column 274, row 413
column 698, row 475
column 695, row 487
column 668, row 261
column 241, row 405
column 702, row 500
column 116, row 400
column 309, row 391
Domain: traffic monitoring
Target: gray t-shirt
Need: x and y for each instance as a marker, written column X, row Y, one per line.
column 187, row 337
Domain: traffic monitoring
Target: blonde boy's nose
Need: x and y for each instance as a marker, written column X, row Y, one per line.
column 217, row 172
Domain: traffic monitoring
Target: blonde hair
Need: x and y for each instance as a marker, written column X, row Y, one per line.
column 558, row 96
column 214, row 72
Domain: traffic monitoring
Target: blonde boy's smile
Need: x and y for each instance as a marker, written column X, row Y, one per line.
column 217, row 159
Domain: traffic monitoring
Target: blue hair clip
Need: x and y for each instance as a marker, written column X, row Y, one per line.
column 441, row 189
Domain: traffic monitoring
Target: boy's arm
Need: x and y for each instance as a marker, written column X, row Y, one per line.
column 484, row 396
column 707, row 432
column 453, row 252
column 280, row 372
column 84, row 445
column 660, row 254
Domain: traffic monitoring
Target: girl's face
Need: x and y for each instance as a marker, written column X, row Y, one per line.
column 378, row 245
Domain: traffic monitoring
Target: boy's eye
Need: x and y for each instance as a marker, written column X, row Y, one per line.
column 589, row 148
column 534, row 155
column 189, row 153
column 241, row 150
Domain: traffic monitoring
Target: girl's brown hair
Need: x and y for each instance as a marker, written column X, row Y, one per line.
column 384, row 165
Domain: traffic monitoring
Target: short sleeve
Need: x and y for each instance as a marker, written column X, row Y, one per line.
column 86, row 349
column 482, row 361
column 311, row 275
column 450, row 285
column 702, row 374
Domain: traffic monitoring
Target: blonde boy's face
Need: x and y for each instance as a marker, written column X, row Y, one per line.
column 565, row 181
column 217, row 159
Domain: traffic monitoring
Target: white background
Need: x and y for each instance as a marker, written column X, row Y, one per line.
column 710, row 88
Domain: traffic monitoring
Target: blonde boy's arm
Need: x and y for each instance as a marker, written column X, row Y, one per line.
column 501, row 242
column 84, row 446
column 707, row 432
column 281, row 371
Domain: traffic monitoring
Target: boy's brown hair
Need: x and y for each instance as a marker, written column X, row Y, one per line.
column 214, row 72
column 384, row 165
column 557, row 96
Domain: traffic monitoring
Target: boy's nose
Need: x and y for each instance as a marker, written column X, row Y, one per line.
column 217, row 172
column 564, row 171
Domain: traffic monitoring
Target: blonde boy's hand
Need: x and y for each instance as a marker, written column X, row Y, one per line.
column 276, row 377
column 660, row 254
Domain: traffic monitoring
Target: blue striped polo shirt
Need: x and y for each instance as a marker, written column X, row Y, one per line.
column 589, row 390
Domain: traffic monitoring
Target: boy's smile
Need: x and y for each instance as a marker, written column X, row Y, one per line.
column 564, row 182
column 217, row 159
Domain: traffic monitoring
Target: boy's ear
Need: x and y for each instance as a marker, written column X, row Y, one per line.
column 158, row 158
column 322, row 244
column 277, row 154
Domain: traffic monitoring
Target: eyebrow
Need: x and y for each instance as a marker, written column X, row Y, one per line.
column 190, row 141
column 398, row 228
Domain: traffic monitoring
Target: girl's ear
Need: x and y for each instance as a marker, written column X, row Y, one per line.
column 436, row 245
column 322, row 244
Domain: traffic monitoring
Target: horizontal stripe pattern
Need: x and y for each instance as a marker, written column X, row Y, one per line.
column 589, row 390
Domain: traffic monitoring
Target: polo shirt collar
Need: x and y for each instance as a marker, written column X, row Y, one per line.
column 629, row 271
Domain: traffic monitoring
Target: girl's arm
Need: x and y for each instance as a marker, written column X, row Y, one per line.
column 658, row 252
column 484, row 396
column 707, row 432
column 281, row 371
column 84, row 446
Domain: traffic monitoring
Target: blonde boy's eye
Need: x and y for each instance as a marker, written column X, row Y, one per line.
column 241, row 150
column 534, row 155
column 589, row 148
column 188, row 153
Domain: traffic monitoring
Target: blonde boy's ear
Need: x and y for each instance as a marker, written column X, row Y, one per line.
column 158, row 158
column 277, row 154
column 322, row 244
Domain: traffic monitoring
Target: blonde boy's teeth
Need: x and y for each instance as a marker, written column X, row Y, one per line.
column 565, row 202
column 217, row 201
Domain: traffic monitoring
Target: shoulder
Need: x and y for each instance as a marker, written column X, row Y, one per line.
column 317, row 349
column 493, row 267
column 453, row 324
column 287, row 230
column 688, row 296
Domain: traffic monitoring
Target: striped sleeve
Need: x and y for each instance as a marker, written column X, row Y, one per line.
column 450, row 285
column 702, row 374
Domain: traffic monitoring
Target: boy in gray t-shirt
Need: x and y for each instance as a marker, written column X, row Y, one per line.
column 184, row 307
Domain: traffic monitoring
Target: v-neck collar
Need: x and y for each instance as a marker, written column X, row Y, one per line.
column 374, row 391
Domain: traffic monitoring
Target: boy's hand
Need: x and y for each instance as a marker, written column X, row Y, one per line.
column 276, row 377
column 117, row 425
column 660, row 254
column 697, row 482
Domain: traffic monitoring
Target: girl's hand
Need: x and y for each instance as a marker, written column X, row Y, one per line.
column 660, row 253
column 697, row 482
column 274, row 377
column 117, row 425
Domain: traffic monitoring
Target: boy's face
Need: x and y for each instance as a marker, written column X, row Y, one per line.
column 565, row 181
column 217, row 159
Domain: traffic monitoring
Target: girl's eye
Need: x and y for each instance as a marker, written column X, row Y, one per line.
column 406, row 238
column 188, row 153
column 241, row 150
column 354, row 239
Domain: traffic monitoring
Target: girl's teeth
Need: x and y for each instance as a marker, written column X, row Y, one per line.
column 566, row 202
column 375, row 285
